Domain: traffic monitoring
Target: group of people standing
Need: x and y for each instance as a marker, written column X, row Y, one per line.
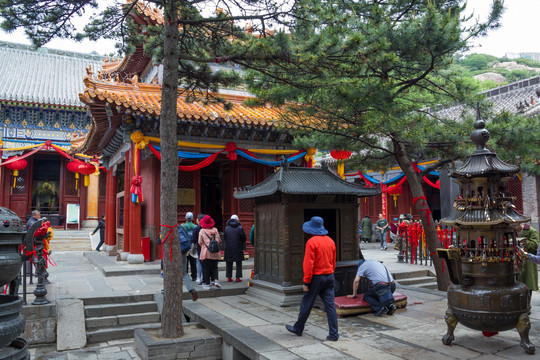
column 382, row 227
column 205, row 251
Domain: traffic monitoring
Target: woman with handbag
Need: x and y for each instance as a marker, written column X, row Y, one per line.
column 209, row 241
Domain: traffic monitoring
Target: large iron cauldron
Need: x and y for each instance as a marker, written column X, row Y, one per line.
column 492, row 301
column 485, row 296
column 11, row 236
column 12, row 323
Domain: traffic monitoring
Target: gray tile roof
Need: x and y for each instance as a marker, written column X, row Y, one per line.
column 474, row 217
column 43, row 76
column 485, row 164
column 310, row 181
column 519, row 97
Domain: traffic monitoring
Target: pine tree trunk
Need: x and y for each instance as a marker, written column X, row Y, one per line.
column 417, row 191
column 171, row 320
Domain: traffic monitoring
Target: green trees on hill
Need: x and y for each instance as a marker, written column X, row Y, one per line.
column 475, row 64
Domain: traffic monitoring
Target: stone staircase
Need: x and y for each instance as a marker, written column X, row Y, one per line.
column 421, row 278
column 117, row 317
column 71, row 240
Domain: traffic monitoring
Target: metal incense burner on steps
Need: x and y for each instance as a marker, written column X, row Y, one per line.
column 12, row 323
column 484, row 260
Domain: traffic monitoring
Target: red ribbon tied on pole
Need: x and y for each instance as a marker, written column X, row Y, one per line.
column 425, row 210
column 169, row 234
column 136, row 189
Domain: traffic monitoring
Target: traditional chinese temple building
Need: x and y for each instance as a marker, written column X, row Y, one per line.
column 38, row 103
column 220, row 149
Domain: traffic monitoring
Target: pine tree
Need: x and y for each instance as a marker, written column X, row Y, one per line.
column 186, row 44
column 367, row 75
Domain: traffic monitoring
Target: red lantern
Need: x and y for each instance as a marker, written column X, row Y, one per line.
column 395, row 191
column 16, row 166
column 86, row 169
column 73, row 166
column 340, row 155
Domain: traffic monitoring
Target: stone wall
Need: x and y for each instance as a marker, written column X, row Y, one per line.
column 197, row 343
column 40, row 323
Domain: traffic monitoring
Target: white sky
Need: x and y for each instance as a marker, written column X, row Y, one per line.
column 518, row 32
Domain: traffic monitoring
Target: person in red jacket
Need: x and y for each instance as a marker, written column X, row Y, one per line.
column 319, row 266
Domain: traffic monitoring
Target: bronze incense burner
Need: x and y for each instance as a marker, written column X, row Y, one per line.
column 484, row 260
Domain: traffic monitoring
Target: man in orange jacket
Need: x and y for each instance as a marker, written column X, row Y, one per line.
column 319, row 266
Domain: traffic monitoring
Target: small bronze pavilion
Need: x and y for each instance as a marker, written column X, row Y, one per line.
column 283, row 202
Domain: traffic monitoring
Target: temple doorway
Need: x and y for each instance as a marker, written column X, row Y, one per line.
column 211, row 193
column 330, row 218
column 46, row 184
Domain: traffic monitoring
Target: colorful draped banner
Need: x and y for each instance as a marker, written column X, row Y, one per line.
column 370, row 181
column 209, row 158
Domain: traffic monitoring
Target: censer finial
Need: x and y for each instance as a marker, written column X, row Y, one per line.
column 480, row 135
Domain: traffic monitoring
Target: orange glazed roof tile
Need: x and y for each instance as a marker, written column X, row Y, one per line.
column 146, row 98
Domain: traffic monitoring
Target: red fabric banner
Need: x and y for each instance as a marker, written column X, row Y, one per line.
column 436, row 185
column 22, row 156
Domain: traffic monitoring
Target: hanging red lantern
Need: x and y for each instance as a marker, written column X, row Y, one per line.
column 16, row 166
column 86, row 169
column 73, row 166
column 341, row 155
column 395, row 191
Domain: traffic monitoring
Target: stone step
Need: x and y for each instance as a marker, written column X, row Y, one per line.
column 69, row 233
column 66, row 240
column 117, row 299
column 411, row 274
column 71, row 247
column 121, row 332
column 416, row 280
column 122, row 320
column 92, row 311
column 430, row 285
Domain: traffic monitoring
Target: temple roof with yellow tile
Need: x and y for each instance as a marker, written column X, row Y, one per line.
column 115, row 95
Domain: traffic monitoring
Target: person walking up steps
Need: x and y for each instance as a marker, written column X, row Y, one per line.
column 101, row 228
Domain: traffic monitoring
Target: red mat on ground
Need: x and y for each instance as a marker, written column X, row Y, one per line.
column 346, row 306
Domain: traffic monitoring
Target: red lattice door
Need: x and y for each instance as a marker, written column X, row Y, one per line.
column 516, row 190
column 188, row 194
column 19, row 199
column 246, row 207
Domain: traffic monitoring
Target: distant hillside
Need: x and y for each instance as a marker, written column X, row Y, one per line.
column 498, row 71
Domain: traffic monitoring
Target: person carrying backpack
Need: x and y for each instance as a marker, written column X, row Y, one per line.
column 185, row 246
column 209, row 241
column 195, row 242
column 188, row 227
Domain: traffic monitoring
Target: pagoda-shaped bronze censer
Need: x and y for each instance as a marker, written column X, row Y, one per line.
column 484, row 260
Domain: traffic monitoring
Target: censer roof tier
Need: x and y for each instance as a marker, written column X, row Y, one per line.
column 482, row 162
column 479, row 217
column 484, row 173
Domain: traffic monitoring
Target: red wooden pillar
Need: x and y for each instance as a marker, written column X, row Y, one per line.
column 110, row 210
column 135, row 255
column 127, row 200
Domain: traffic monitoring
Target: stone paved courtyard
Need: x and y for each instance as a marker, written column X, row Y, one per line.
column 411, row 333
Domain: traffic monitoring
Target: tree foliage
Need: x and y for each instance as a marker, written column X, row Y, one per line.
column 188, row 38
column 369, row 76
